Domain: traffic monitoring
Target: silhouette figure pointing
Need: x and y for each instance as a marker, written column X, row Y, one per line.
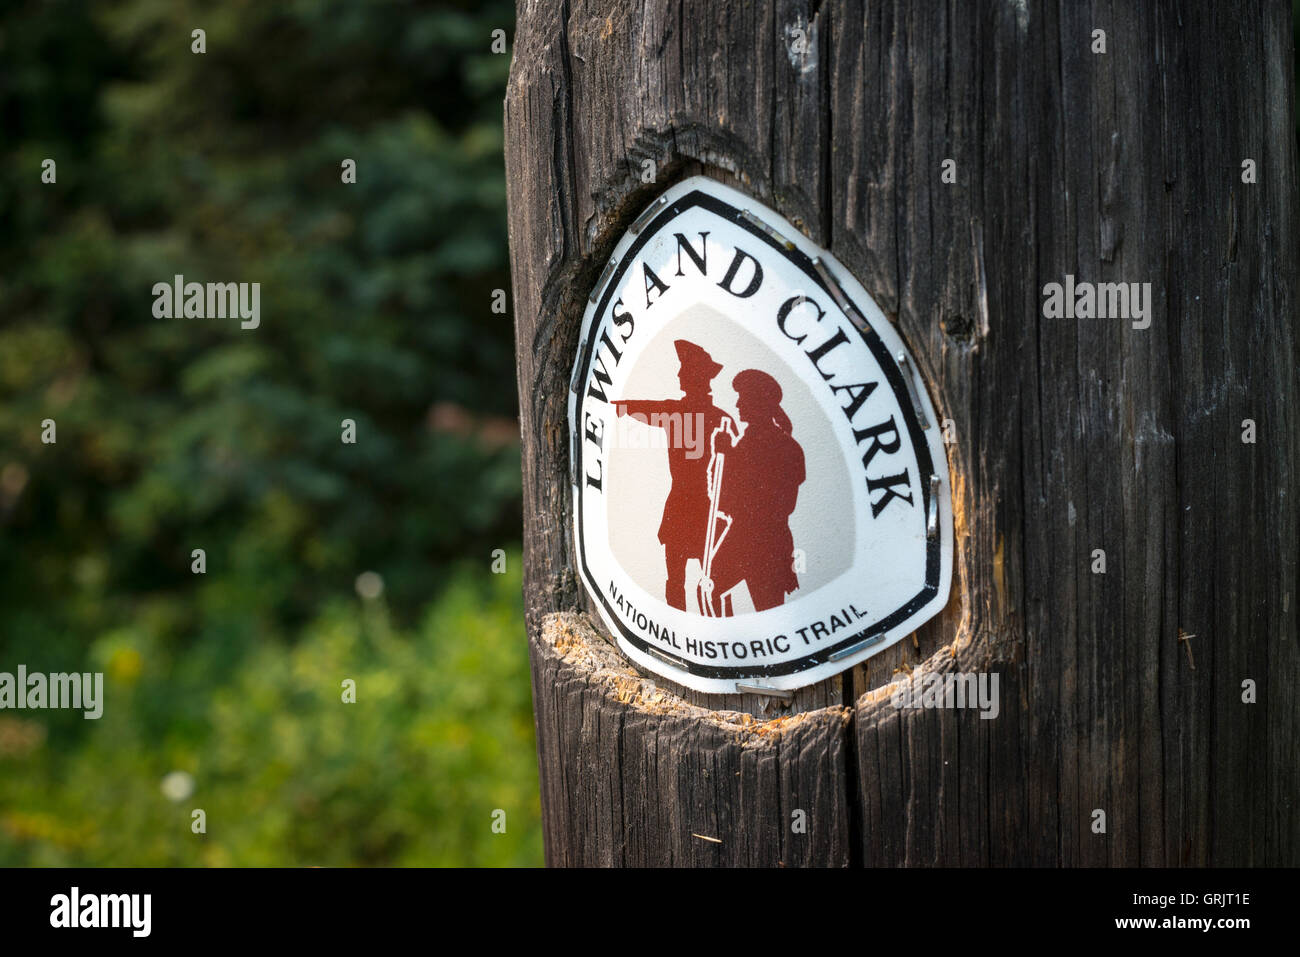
column 686, row 510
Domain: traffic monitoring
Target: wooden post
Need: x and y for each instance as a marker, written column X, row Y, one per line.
column 1121, row 690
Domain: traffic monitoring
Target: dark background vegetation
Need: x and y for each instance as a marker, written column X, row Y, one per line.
column 192, row 433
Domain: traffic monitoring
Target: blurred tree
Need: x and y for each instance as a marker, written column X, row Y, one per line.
column 179, row 434
column 226, row 166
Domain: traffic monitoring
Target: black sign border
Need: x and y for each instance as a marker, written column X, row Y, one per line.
column 893, row 375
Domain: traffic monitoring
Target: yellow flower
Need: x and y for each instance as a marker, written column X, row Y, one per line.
column 124, row 665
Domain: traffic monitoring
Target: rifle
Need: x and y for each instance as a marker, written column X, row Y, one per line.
column 713, row 541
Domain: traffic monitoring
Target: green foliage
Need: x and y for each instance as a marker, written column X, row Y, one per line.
column 192, row 433
column 287, row 773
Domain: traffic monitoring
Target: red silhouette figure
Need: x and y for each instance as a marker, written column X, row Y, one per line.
column 682, row 530
column 760, row 475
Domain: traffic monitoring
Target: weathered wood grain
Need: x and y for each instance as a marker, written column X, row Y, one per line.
column 1071, row 435
column 638, row 776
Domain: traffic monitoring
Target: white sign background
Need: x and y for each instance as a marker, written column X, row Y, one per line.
column 870, row 580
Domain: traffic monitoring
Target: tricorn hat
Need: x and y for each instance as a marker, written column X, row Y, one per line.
column 695, row 361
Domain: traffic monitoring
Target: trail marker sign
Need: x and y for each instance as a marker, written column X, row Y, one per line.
column 761, row 494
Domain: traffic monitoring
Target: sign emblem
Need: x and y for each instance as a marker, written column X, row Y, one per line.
column 761, row 495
